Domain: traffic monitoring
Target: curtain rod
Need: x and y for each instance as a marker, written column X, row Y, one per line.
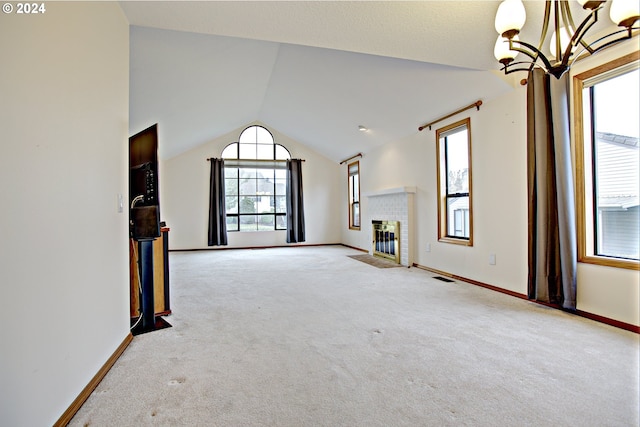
column 257, row 160
column 352, row 157
column 476, row 104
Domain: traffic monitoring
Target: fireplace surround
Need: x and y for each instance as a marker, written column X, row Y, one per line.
column 395, row 204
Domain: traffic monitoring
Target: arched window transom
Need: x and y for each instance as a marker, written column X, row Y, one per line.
column 255, row 182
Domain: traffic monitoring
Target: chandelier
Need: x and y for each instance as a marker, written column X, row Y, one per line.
column 570, row 44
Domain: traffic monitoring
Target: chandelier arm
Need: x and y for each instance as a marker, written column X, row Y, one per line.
column 582, row 41
column 528, row 69
column 568, row 18
column 593, row 49
column 534, row 54
column 556, row 21
column 578, row 35
column 545, row 25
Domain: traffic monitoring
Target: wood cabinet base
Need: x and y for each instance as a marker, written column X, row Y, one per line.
column 160, row 275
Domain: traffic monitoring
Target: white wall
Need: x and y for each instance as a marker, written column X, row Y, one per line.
column 184, row 203
column 499, row 194
column 63, row 245
column 498, row 133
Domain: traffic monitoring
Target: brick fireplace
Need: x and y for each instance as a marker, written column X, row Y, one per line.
column 394, row 204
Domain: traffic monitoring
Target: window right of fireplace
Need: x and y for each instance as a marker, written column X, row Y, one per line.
column 354, row 195
column 453, row 153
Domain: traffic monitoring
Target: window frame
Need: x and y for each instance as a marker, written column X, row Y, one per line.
column 442, row 187
column 354, row 199
column 254, row 164
column 584, row 174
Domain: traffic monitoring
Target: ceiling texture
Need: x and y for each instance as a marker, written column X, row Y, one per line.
column 312, row 70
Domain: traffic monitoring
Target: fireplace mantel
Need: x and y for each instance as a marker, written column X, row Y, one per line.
column 389, row 191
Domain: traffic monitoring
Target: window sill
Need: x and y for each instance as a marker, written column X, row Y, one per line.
column 255, row 231
column 456, row 241
column 610, row 262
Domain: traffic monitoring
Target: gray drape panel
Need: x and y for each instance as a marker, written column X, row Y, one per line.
column 552, row 229
column 295, row 205
column 217, row 209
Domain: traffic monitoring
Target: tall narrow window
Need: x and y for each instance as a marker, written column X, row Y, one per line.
column 354, row 195
column 255, row 182
column 606, row 102
column 454, row 183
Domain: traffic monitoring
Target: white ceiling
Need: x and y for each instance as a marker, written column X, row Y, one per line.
column 313, row 70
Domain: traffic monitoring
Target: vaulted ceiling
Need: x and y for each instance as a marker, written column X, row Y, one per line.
column 313, row 70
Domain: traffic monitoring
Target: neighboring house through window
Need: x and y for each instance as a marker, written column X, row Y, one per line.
column 453, row 153
column 354, row 195
column 607, row 129
column 255, row 182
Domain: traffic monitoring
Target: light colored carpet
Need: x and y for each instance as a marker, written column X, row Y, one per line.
column 310, row 337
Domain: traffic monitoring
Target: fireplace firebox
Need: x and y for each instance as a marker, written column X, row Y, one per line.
column 386, row 239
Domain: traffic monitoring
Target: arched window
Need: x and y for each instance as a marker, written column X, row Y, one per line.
column 255, row 182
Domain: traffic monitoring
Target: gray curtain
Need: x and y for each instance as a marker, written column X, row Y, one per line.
column 217, row 209
column 295, row 205
column 552, row 229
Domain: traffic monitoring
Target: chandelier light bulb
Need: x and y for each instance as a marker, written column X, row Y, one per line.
column 565, row 39
column 510, row 18
column 624, row 12
column 501, row 51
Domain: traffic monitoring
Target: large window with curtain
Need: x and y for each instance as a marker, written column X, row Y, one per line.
column 255, row 180
column 453, row 153
column 607, row 107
